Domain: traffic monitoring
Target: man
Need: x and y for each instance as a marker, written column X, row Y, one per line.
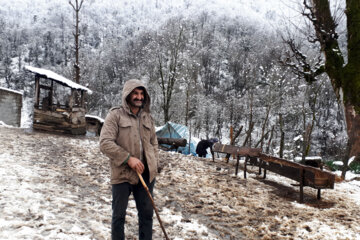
column 128, row 138
column 203, row 145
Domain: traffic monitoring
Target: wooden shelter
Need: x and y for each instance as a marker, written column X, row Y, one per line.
column 93, row 125
column 58, row 107
column 10, row 106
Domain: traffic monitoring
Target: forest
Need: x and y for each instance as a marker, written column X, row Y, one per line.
column 209, row 71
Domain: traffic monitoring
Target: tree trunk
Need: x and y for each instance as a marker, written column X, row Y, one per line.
column 351, row 81
column 232, row 140
column 345, row 80
column 282, row 136
column 77, row 8
column 353, row 131
column 187, row 105
column 270, row 139
column 268, row 108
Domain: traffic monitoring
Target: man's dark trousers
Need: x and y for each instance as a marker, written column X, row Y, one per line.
column 121, row 193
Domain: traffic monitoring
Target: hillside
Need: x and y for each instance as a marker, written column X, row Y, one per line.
column 57, row 187
column 227, row 65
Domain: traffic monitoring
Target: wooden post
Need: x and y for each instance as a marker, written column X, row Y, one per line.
column 301, row 185
column 51, row 95
column 190, row 139
column 71, row 100
column 245, row 166
column 319, row 190
column 264, row 173
column 231, row 140
column 319, row 194
column 82, row 101
column 37, row 90
column 260, row 162
column 237, row 165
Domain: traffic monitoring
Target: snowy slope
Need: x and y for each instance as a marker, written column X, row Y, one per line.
column 57, row 187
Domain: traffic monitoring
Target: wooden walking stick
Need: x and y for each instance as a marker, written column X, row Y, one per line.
column 152, row 201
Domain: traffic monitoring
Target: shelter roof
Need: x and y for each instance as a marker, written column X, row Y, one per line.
column 11, row 90
column 47, row 74
column 95, row 117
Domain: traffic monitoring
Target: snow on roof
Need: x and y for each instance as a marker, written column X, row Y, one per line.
column 11, row 90
column 96, row 117
column 56, row 77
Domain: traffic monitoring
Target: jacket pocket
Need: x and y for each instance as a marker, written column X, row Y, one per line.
column 125, row 137
column 125, row 128
column 146, row 131
column 124, row 123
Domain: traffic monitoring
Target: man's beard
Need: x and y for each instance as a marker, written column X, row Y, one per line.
column 136, row 103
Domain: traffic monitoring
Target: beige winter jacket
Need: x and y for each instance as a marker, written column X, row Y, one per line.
column 121, row 135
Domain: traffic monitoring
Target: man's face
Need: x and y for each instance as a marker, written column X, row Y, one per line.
column 136, row 98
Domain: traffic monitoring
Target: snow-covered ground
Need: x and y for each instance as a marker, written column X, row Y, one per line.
column 57, row 187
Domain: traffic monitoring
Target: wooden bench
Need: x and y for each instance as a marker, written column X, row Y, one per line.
column 305, row 175
column 236, row 151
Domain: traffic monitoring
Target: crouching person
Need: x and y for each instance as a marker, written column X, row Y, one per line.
column 203, row 145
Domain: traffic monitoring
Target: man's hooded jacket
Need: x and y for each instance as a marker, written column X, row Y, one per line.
column 125, row 134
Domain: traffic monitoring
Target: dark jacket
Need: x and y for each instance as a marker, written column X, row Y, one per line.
column 202, row 146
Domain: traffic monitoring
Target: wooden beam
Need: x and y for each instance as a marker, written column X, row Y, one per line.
column 82, row 99
column 242, row 151
column 301, row 180
column 245, row 166
column 51, row 93
column 45, row 87
column 72, row 99
column 177, row 142
column 237, row 164
column 37, row 90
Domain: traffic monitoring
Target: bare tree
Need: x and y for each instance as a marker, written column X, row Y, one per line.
column 308, row 127
column 344, row 77
column 168, row 74
column 77, row 6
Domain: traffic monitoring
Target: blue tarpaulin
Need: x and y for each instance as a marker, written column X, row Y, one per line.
column 174, row 130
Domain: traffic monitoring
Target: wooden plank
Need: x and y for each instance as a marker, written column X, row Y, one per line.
column 283, row 170
column 59, row 122
column 79, row 130
column 314, row 177
column 45, row 87
column 238, row 151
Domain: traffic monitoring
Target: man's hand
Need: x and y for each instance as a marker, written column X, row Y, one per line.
column 136, row 165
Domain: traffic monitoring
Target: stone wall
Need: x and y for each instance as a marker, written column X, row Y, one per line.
column 10, row 107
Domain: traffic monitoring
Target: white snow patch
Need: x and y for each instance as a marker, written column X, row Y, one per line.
column 95, row 117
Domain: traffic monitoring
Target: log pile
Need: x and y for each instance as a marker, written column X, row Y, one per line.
column 168, row 144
